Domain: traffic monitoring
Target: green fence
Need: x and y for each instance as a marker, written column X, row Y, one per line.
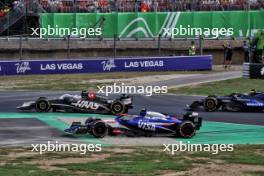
column 147, row 25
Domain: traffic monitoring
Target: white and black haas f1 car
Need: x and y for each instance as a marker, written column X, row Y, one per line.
column 88, row 102
column 235, row 102
column 146, row 124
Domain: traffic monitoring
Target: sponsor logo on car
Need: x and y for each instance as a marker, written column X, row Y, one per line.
column 146, row 126
column 22, row 67
column 86, row 104
column 255, row 104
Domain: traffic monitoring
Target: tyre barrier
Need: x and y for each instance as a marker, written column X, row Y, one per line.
column 253, row 71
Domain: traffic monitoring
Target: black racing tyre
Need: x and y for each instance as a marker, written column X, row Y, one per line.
column 42, row 105
column 99, row 129
column 118, row 107
column 195, row 105
column 186, row 129
column 211, row 104
column 88, row 123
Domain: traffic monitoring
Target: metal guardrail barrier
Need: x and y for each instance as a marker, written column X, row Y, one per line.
column 26, row 37
column 199, row 41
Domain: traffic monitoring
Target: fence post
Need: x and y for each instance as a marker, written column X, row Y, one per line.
column 115, row 38
column 201, row 44
column 159, row 49
column 8, row 19
column 68, row 47
column 20, row 48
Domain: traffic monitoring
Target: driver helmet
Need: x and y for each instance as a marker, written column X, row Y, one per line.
column 91, row 95
column 252, row 92
column 88, row 95
column 143, row 112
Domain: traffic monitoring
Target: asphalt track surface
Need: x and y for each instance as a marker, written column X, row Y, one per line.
column 197, row 79
column 31, row 130
column 170, row 104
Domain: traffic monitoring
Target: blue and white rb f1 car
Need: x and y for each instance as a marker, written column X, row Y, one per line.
column 146, row 124
column 235, row 102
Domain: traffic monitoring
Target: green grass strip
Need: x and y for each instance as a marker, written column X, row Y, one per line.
column 228, row 133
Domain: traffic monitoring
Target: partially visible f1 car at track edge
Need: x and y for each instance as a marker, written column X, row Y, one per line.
column 146, row 124
column 88, row 102
column 235, row 102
